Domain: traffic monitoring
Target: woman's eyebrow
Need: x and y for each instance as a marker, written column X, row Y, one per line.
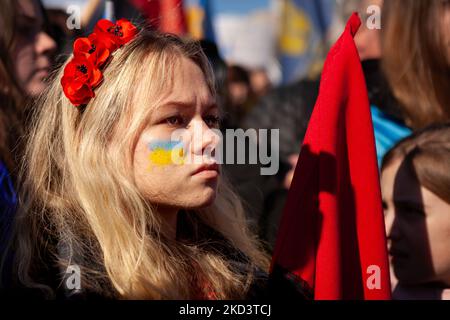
column 210, row 106
column 30, row 20
column 410, row 204
column 27, row 19
column 188, row 105
column 176, row 104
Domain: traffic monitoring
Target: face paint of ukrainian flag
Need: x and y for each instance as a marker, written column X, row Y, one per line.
column 164, row 153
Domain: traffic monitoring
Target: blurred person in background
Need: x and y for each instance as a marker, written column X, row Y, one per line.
column 406, row 67
column 26, row 56
column 241, row 94
column 415, row 182
column 260, row 82
column 416, row 58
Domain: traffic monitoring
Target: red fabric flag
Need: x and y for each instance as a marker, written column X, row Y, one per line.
column 165, row 15
column 331, row 241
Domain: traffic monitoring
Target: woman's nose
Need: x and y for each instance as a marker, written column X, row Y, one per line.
column 204, row 138
column 45, row 44
column 388, row 221
column 394, row 232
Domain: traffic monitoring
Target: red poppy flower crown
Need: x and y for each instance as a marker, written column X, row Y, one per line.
column 83, row 73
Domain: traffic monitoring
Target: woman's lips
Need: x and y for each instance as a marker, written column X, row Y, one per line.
column 395, row 253
column 43, row 72
column 208, row 171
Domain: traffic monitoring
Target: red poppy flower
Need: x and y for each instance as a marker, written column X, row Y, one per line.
column 82, row 74
column 91, row 48
column 79, row 80
column 117, row 34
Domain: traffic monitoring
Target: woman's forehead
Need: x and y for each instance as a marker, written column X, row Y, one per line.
column 188, row 75
column 188, row 86
column 29, row 9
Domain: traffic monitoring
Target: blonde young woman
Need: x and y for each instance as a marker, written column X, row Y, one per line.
column 95, row 201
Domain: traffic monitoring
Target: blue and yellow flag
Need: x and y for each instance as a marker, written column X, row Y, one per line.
column 304, row 25
column 199, row 16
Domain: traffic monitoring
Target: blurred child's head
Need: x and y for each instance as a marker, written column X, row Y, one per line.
column 415, row 182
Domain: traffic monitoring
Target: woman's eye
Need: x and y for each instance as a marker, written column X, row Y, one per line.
column 418, row 212
column 26, row 29
column 174, row 121
column 212, row 121
column 410, row 211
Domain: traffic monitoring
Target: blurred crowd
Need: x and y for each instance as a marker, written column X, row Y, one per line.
column 406, row 64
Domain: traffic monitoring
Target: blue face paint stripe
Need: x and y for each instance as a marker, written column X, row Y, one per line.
column 165, row 145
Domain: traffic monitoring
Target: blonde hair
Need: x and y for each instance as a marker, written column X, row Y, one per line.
column 80, row 191
column 416, row 61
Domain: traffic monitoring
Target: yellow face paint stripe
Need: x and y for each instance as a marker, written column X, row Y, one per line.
column 160, row 156
column 166, row 153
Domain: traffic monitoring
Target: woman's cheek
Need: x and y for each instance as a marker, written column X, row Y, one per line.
column 23, row 64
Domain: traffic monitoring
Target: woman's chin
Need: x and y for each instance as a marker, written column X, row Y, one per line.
column 204, row 199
